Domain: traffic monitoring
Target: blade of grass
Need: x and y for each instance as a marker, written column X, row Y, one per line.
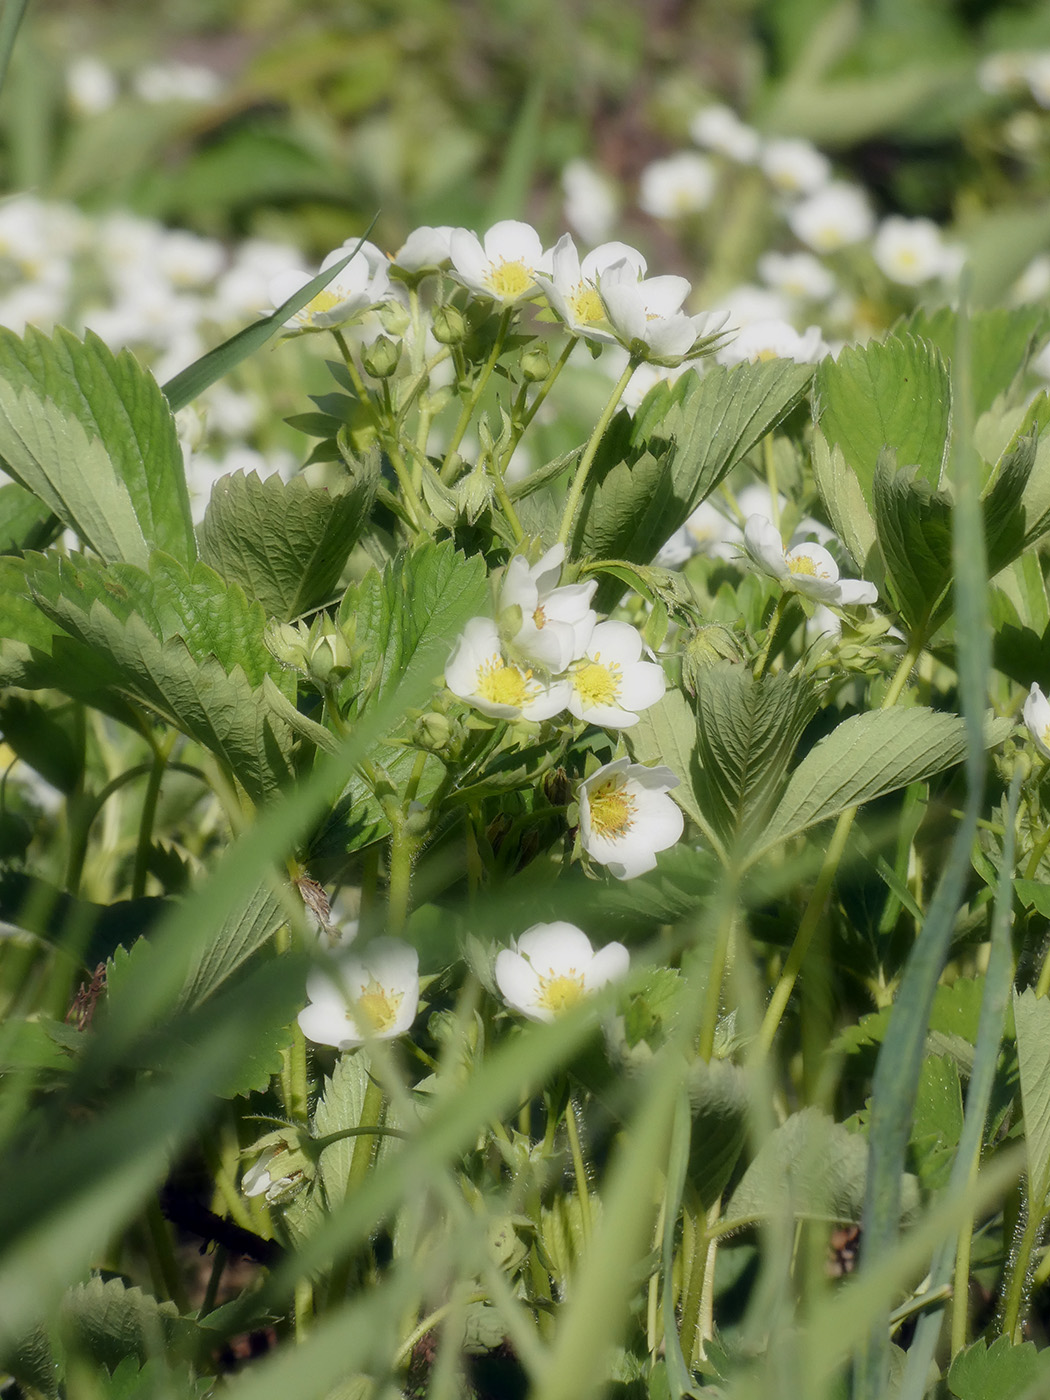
column 998, row 978
column 900, row 1059
column 516, row 174
column 195, row 378
column 11, row 12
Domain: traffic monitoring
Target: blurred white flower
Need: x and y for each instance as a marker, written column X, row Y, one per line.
column 773, row 340
column 177, row 82
column 626, row 816
column 747, row 303
column 800, row 276
column 362, row 284
column 833, row 217
column 1037, row 719
column 794, row 166
column 911, row 251
column 271, row 1177
column 425, row 249
column 571, row 288
column 188, row 260
column 371, row 995
column 1037, row 76
column 552, row 967
column 91, row 86
column 718, row 128
column 610, row 682
column 1034, row 282
column 1001, row 73
column 479, row 672
column 591, row 205
column 501, row 266
column 556, row 623
column 807, row 568
column 679, row 184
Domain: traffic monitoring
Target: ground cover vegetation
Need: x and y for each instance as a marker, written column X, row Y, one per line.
column 523, row 624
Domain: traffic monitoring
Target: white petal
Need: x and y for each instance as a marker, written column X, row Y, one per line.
column 519, row 985
column 643, row 684
column 513, row 241
column 610, row 964
column 855, row 591
column 555, row 947
column 762, row 541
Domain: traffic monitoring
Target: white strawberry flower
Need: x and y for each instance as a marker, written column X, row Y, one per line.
column 677, row 185
column 552, row 967
column 371, row 995
column 774, row 340
column 833, row 217
column 479, row 672
column 800, row 276
column 626, row 817
column 503, row 265
column 610, row 682
column 807, row 568
column 720, row 129
column 794, row 166
column 362, row 284
column 571, row 287
column 647, row 318
column 424, row 250
column 556, row 623
column 1037, row 719
column 912, row 251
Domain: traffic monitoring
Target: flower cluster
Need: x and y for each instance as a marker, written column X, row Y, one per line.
column 549, row 653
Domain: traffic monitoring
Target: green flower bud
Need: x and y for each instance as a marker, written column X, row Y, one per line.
column 395, row 318
column 329, row 651
column 417, row 819
column 433, row 732
column 535, row 365
column 288, row 644
column 382, row 357
column 449, row 326
column 705, row 648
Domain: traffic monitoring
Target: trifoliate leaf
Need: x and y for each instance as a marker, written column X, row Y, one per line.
column 997, row 1372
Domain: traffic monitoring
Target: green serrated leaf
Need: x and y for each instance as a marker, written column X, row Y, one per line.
column 997, row 1372
column 840, row 490
column 407, row 620
column 892, row 394
column 285, row 544
column 110, row 1321
column 809, row 1168
column 1032, row 1023
column 339, row 1107
column 747, row 733
column 26, row 522
column 864, row 757
column 90, row 434
column 914, row 525
column 666, row 733
column 1000, row 343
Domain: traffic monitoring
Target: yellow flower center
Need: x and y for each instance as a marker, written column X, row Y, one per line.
column 539, row 617
column 587, row 304
column 907, row 258
column 376, row 1008
column 612, row 809
column 324, row 301
column 559, row 993
column 510, row 279
column 803, row 564
column 502, row 684
column 766, row 354
column 597, row 684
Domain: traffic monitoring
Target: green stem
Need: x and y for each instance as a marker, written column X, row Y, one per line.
column 769, row 462
column 771, row 631
column 698, row 1293
column 1015, row 1291
column 961, row 1291
column 164, row 1254
column 814, row 911
column 506, row 504
column 413, row 502
column 715, row 978
column 544, row 390
column 579, row 1169
column 161, row 753
column 399, row 875
column 467, row 411
column 572, row 504
column 404, row 1351
column 360, row 1162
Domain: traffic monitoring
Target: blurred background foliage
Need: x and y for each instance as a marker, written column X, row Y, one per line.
column 438, row 112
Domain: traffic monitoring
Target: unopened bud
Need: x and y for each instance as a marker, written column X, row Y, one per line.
column 705, row 648
column 433, row 732
column 449, row 326
column 395, row 318
column 382, row 357
column 287, row 643
column 535, row 365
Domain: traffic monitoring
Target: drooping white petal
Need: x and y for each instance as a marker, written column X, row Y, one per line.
column 1037, row 718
